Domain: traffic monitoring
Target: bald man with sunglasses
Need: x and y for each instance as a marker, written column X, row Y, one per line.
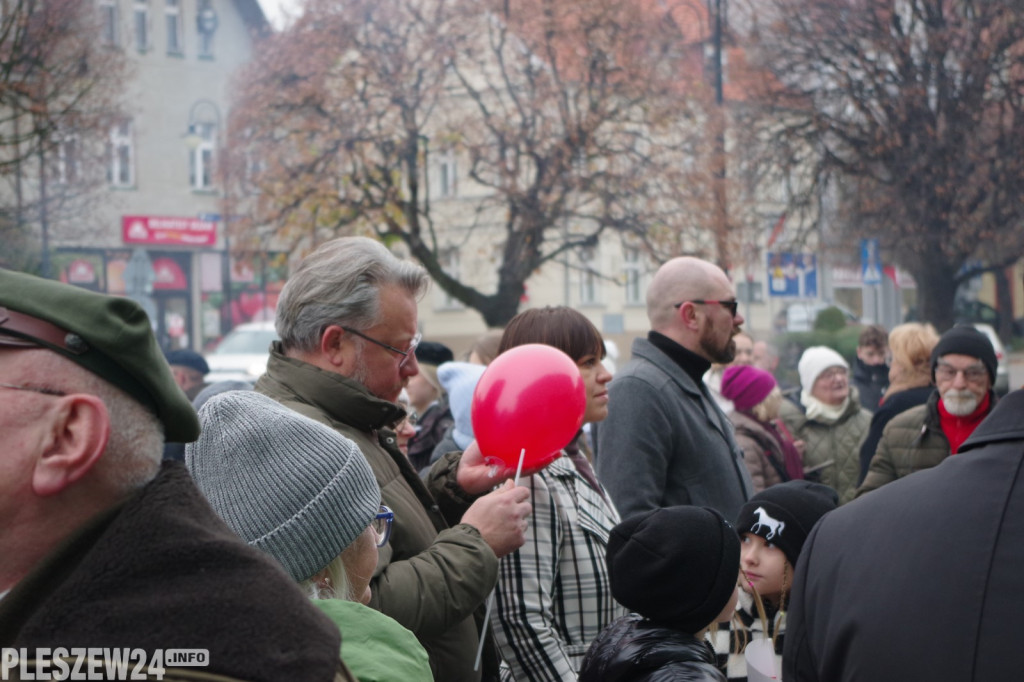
column 665, row 441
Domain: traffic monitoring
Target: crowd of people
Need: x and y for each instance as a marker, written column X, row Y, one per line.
column 338, row 520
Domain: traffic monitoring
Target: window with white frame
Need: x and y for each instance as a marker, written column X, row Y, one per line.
column 447, row 174
column 68, row 161
column 121, row 153
column 201, row 163
column 108, row 21
column 206, row 26
column 588, row 277
column 631, row 276
column 450, row 262
column 141, row 21
column 172, row 17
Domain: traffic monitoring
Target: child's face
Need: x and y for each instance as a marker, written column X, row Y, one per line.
column 765, row 566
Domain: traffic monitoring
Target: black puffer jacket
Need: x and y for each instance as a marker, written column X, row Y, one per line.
column 633, row 649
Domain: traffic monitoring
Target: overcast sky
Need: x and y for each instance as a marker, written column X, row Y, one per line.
column 272, row 8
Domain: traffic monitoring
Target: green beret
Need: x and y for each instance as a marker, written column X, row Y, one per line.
column 110, row 336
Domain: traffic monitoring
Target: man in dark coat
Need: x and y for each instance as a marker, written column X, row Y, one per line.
column 100, row 544
column 665, row 441
column 921, row 579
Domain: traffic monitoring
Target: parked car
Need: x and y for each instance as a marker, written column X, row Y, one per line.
column 243, row 354
column 976, row 311
column 800, row 316
column 1002, row 385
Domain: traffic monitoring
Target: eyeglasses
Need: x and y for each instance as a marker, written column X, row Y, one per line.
column 833, row 373
column 34, row 389
column 972, row 375
column 732, row 306
column 404, row 353
column 382, row 525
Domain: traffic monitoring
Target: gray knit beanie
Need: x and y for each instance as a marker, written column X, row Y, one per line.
column 289, row 486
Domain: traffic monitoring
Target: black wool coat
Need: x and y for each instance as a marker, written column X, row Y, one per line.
column 920, row 579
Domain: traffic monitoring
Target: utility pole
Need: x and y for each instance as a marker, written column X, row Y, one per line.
column 721, row 208
column 44, row 263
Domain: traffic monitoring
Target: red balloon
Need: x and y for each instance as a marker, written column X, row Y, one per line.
column 531, row 397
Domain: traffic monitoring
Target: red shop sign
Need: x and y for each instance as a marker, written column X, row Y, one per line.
column 141, row 229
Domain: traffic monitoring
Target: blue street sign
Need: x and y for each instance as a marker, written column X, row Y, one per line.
column 870, row 262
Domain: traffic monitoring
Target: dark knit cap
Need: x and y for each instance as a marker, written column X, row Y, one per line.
column 784, row 514
column 433, row 353
column 110, row 336
column 187, row 358
column 964, row 339
column 676, row 566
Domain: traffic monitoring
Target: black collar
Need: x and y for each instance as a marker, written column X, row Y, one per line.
column 691, row 363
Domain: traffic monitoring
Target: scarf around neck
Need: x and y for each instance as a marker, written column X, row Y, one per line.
column 819, row 411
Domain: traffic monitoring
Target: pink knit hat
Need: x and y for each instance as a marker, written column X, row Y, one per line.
column 746, row 385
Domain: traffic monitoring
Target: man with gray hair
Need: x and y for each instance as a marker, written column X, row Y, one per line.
column 348, row 328
column 105, row 550
column 665, row 441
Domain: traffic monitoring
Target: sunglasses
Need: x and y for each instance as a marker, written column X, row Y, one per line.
column 732, row 306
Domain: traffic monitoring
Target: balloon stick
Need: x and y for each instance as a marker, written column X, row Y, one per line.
column 519, row 469
column 490, row 599
column 483, row 631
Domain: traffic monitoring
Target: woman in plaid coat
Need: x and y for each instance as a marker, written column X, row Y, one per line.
column 553, row 596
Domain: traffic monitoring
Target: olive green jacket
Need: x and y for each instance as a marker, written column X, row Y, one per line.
column 912, row 440
column 431, row 578
column 839, row 442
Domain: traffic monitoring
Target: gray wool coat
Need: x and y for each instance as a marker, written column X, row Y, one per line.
column 665, row 442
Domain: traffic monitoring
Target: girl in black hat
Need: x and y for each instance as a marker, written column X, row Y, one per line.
column 773, row 527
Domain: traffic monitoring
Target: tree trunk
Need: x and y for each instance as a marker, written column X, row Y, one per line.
column 1004, row 304
column 936, row 292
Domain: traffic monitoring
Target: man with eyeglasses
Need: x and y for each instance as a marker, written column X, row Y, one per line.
column 104, row 548
column 665, row 442
column 347, row 323
column 963, row 371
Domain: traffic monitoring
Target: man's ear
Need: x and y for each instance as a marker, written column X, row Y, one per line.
column 688, row 313
column 334, row 350
column 78, row 435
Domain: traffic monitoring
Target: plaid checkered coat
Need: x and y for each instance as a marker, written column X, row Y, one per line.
column 553, row 596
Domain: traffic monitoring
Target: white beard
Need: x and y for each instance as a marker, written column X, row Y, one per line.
column 960, row 403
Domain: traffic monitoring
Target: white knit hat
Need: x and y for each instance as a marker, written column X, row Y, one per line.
column 816, row 360
column 289, row 486
column 459, row 380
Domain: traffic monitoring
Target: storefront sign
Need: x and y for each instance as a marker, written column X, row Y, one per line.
column 81, row 271
column 168, row 230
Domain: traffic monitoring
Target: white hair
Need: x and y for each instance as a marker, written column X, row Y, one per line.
column 337, row 585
